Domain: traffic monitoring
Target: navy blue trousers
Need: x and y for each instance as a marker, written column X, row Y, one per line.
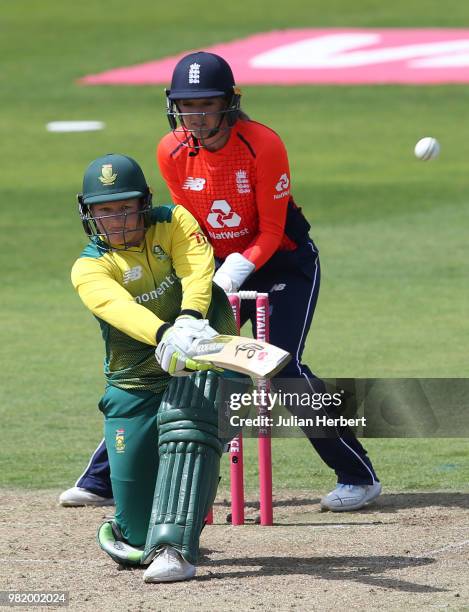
column 97, row 475
column 292, row 280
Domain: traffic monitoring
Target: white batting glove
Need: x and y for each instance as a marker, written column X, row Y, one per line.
column 195, row 328
column 233, row 272
column 177, row 346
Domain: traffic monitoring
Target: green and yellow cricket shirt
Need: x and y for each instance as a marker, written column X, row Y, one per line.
column 134, row 292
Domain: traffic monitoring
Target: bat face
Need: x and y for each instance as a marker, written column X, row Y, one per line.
column 245, row 355
column 251, row 350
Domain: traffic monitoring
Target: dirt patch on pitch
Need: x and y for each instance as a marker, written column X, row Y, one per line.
column 409, row 550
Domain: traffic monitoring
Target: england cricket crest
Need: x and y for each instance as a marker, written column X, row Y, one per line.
column 108, row 177
column 120, row 441
column 194, row 73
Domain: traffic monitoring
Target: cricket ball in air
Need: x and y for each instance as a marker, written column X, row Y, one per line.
column 427, row 148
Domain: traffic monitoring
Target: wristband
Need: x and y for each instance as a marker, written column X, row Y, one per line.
column 161, row 330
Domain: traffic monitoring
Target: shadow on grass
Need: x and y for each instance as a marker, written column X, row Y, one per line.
column 390, row 502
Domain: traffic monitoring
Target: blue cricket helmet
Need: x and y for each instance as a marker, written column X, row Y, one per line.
column 201, row 75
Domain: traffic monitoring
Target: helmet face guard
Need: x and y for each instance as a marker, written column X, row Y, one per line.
column 111, row 179
column 200, row 76
column 130, row 223
column 178, row 127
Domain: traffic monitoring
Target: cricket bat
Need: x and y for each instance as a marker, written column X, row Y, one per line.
column 255, row 358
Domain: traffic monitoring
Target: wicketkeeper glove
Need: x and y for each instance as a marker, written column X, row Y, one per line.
column 177, row 346
column 233, row 272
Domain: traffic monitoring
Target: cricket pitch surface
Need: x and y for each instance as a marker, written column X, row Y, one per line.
column 406, row 551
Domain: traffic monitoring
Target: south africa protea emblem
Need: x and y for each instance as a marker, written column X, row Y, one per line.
column 107, row 177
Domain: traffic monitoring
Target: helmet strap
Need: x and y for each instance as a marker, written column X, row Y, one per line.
column 196, row 147
column 233, row 109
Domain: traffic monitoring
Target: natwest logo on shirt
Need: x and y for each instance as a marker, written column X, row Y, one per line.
column 283, row 183
column 282, row 187
column 221, row 215
column 194, row 184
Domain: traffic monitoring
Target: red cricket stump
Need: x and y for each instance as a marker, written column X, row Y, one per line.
column 209, row 517
column 264, row 441
column 264, row 444
column 236, row 446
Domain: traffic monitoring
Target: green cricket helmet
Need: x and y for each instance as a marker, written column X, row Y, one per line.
column 112, row 178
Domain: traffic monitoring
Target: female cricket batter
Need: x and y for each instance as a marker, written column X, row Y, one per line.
column 233, row 175
column 146, row 275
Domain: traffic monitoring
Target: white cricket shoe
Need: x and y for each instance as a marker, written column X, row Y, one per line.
column 169, row 566
column 350, row 497
column 76, row 496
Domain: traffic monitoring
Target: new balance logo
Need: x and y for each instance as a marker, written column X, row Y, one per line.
column 194, row 73
column 221, row 215
column 279, row 287
column 132, row 274
column 242, row 182
column 194, row 184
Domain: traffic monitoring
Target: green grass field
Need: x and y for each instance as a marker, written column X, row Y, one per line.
column 392, row 231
